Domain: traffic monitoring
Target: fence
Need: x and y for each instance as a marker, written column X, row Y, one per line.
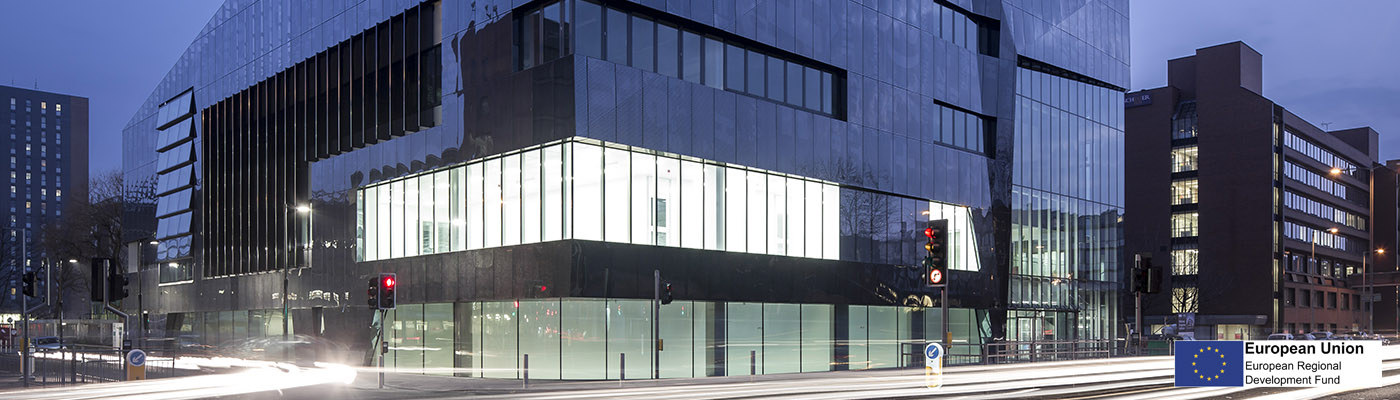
column 78, row 365
column 1018, row 352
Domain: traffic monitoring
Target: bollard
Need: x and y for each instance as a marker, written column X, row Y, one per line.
column 527, row 370
column 621, row 368
column 753, row 364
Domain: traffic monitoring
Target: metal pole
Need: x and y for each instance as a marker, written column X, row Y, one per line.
column 24, row 366
column 621, row 368
column 527, row 369
column 1137, row 306
column 383, row 348
column 947, row 335
column 287, row 213
column 656, row 324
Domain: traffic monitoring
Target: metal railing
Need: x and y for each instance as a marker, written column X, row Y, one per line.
column 1031, row 351
column 79, row 365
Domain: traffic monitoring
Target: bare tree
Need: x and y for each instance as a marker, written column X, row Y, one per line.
column 87, row 229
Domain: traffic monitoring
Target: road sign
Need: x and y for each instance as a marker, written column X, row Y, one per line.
column 135, row 365
column 933, row 365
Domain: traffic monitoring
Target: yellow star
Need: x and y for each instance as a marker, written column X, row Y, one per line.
column 1193, row 363
column 1222, row 356
column 1195, row 355
column 1217, row 350
column 1196, row 371
column 1222, row 371
column 1203, row 377
column 1222, row 363
column 1207, row 379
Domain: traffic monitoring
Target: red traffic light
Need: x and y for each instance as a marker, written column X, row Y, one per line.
column 928, row 232
column 388, row 282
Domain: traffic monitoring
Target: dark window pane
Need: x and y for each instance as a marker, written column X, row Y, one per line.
column 946, row 134
column 690, row 55
column 616, row 35
column 775, row 79
column 828, row 92
column 643, row 37
column 814, row 88
column 756, row 84
column 794, row 83
column 549, row 38
column 714, row 62
column 668, row 50
column 526, row 40
column 734, row 67
column 589, row 32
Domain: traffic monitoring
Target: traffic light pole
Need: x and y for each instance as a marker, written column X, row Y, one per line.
column 107, row 300
column 656, row 325
column 24, row 372
column 1137, row 305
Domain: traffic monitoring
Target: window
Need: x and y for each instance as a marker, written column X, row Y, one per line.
column 643, row 44
column 616, row 36
column 1185, row 224
column 589, row 31
column 1185, row 262
column 1185, row 192
column 734, row 67
column 690, row 56
column 1184, row 159
column 668, row 50
column 649, row 43
column 540, row 35
column 714, row 62
column 617, row 195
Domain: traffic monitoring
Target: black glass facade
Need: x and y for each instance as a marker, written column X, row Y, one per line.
column 776, row 163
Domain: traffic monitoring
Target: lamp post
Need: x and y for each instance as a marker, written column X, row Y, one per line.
column 24, row 371
column 1365, row 287
column 301, row 209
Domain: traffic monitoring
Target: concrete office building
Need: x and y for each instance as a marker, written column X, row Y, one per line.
column 1262, row 221
column 524, row 167
column 47, row 138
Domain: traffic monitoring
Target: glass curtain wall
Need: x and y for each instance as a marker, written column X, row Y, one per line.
column 613, row 194
column 588, row 339
column 1067, row 196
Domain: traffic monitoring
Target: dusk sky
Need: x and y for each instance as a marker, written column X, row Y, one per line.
column 1331, row 62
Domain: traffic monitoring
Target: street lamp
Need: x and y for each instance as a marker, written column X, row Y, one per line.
column 302, row 209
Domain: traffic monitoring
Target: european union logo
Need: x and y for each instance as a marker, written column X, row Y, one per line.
column 1209, row 363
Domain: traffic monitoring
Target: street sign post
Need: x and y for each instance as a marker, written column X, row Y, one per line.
column 135, row 365
column 933, row 365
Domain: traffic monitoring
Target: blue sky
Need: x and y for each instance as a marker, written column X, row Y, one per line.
column 1329, row 62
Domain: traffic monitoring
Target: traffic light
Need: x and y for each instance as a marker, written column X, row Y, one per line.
column 935, row 263
column 374, row 292
column 116, row 283
column 29, row 284
column 1147, row 279
column 666, row 296
column 388, row 282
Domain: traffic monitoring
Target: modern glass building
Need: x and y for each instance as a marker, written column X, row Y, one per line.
column 526, row 168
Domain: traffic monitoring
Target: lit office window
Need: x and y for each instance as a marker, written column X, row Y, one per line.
column 1185, row 192
column 603, row 193
column 1185, row 224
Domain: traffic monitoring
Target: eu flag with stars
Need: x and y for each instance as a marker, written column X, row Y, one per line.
column 1209, row 363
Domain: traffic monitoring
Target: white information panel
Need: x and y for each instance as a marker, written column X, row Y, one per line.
column 1312, row 363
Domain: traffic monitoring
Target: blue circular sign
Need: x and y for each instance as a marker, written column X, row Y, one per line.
column 933, row 351
column 136, row 358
